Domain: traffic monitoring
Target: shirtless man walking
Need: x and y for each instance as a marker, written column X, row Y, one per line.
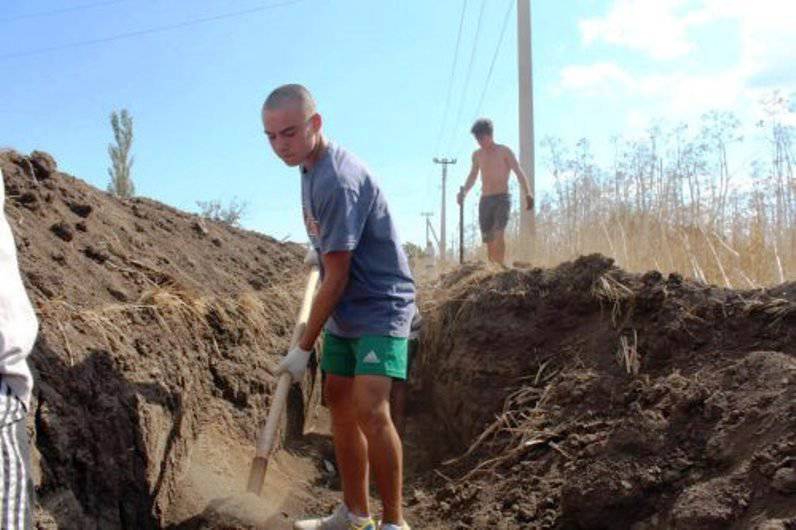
column 494, row 162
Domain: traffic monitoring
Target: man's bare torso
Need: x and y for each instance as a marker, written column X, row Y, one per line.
column 493, row 164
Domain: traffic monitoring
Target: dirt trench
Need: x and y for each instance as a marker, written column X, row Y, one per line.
column 585, row 397
column 580, row 397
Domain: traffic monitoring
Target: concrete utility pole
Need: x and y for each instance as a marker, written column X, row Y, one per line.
column 527, row 156
column 442, row 248
column 427, row 216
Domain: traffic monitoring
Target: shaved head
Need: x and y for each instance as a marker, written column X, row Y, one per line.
column 292, row 95
column 292, row 124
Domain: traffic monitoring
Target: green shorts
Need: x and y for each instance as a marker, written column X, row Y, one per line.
column 367, row 355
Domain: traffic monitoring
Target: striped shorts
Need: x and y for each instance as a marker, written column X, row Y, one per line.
column 15, row 476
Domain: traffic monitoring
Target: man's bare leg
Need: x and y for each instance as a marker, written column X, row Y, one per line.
column 490, row 250
column 372, row 397
column 500, row 248
column 350, row 445
column 398, row 406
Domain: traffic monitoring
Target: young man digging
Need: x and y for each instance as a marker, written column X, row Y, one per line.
column 495, row 162
column 366, row 301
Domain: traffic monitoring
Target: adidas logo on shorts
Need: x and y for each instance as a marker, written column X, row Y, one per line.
column 371, row 358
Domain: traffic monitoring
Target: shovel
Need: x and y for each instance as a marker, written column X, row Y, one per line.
column 461, row 228
column 265, row 439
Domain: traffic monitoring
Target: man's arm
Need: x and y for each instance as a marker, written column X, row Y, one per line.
column 336, row 266
column 522, row 178
column 470, row 182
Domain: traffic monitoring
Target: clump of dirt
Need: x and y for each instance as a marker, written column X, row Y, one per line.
column 585, row 397
column 159, row 335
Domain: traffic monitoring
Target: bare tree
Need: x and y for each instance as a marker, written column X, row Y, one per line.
column 121, row 183
column 230, row 214
column 781, row 138
column 719, row 132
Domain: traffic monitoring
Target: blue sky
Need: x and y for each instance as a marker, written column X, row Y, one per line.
column 380, row 72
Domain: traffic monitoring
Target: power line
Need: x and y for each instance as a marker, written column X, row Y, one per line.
column 60, row 11
column 495, row 56
column 450, row 81
column 469, row 69
column 428, row 196
column 491, row 66
column 149, row 31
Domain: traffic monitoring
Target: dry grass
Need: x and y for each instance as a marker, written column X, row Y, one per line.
column 610, row 291
column 168, row 303
column 180, row 311
column 627, row 354
column 102, row 322
column 648, row 243
column 523, row 425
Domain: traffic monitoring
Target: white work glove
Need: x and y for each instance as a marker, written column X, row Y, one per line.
column 294, row 362
column 312, row 258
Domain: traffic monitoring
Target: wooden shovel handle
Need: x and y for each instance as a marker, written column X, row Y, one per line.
column 265, row 440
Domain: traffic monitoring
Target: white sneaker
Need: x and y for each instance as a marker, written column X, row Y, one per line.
column 390, row 526
column 339, row 520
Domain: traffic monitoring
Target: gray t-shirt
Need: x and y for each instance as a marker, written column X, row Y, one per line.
column 344, row 210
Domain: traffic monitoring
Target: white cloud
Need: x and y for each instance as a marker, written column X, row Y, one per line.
column 651, row 26
column 768, row 40
column 595, row 78
column 680, row 95
column 637, row 123
column 683, row 95
column 661, row 30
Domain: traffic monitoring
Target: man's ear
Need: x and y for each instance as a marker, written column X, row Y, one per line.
column 316, row 121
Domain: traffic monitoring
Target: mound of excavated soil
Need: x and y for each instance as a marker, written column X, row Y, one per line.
column 159, row 334
column 587, row 398
column 576, row 398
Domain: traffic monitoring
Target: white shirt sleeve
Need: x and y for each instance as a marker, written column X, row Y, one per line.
column 18, row 323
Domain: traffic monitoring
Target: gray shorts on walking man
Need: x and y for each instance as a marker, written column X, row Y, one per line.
column 16, row 477
column 493, row 215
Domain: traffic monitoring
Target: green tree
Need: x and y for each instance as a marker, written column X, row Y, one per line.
column 413, row 251
column 121, row 183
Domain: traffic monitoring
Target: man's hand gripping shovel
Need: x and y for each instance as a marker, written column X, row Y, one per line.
column 266, row 437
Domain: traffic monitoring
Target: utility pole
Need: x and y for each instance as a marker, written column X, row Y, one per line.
column 527, row 158
column 442, row 248
column 427, row 216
